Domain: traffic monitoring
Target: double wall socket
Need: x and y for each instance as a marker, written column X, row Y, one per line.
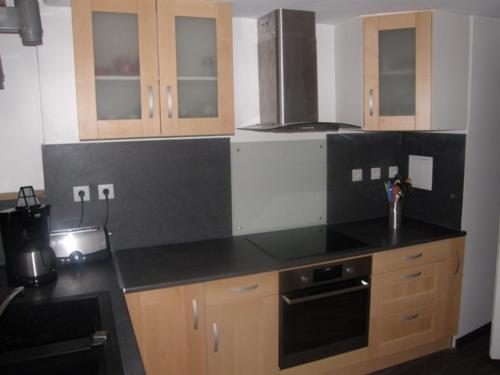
column 86, row 192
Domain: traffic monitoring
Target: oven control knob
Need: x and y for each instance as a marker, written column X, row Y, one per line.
column 304, row 279
column 349, row 270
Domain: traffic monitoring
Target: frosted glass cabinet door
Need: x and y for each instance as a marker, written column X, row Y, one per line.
column 116, row 68
column 397, row 71
column 195, row 52
column 196, row 62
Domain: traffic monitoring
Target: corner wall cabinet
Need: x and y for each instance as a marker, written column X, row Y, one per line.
column 403, row 62
column 150, row 68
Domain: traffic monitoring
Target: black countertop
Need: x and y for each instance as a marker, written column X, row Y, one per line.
column 90, row 278
column 173, row 265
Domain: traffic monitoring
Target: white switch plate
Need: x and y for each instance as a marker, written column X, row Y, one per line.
column 420, row 171
column 357, row 175
column 77, row 189
column 393, row 171
column 375, row 173
column 110, row 187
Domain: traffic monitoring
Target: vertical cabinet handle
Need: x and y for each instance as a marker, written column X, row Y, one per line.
column 151, row 103
column 196, row 314
column 215, row 333
column 170, row 105
column 459, row 263
column 370, row 101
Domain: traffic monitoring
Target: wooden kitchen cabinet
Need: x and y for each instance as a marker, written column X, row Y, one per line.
column 242, row 325
column 395, row 71
column 415, row 296
column 149, row 68
column 169, row 326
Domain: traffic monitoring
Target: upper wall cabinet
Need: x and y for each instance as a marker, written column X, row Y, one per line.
column 149, row 68
column 413, row 68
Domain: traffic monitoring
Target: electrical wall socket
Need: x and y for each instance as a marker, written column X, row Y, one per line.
column 393, row 171
column 110, row 187
column 86, row 191
column 357, row 175
column 375, row 173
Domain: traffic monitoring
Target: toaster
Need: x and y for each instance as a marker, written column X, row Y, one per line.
column 80, row 245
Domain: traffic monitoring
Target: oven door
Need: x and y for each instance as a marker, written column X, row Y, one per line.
column 322, row 321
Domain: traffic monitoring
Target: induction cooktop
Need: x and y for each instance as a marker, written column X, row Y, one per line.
column 304, row 242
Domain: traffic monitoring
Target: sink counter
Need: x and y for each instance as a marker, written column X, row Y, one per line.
column 88, row 279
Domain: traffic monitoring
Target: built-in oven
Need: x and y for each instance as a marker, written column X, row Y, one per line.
column 324, row 310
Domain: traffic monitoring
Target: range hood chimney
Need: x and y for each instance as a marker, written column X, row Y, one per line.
column 288, row 76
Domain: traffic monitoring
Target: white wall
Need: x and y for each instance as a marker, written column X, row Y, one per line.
column 481, row 206
column 20, row 119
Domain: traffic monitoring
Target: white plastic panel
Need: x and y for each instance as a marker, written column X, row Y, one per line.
column 278, row 185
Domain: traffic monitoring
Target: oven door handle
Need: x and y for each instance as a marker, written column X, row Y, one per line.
column 293, row 301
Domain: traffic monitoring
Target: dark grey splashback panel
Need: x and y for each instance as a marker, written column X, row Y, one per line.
column 347, row 200
column 165, row 191
column 442, row 205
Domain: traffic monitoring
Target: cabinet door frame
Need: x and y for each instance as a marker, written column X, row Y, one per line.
column 173, row 125
column 181, row 350
column 89, row 126
column 422, row 22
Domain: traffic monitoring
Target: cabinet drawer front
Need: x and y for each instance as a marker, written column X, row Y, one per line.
column 407, row 323
column 409, row 282
column 410, row 256
column 241, row 288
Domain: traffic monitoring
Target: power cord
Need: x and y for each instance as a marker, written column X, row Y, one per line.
column 81, row 194
column 106, row 195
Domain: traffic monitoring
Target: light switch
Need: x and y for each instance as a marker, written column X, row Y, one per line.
column 420, row 171
column 375, row 173
column 357, row 175
column 393, row 171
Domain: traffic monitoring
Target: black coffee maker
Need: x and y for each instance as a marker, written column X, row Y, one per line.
column 25, row 236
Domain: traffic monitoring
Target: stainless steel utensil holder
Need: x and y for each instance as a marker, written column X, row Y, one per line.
column 395, row 214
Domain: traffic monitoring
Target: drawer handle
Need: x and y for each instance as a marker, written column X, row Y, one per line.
column 215, row 332
column 412, row 276
column 413, row 257
column 409, row 317
column 244, row 289
column 196, row 314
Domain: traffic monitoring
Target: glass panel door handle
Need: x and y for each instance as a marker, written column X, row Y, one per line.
column 170, row 105
column 151, row 102
column 370, row 101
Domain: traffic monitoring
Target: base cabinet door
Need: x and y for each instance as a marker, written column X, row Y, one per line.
column 242, row 337
column 169, row 326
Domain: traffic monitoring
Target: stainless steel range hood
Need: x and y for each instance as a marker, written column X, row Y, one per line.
column 288, row 77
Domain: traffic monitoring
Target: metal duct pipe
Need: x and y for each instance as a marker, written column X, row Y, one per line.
column 30, row 24
column 23, row 18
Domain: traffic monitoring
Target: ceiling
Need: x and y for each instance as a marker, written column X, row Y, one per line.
column 335, row 11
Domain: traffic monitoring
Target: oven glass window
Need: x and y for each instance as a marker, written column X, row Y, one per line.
column 318, row 328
